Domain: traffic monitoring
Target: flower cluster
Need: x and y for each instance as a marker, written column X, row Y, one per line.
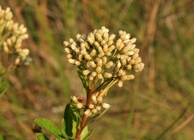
column 102, row 56
column 94, row 107
column 11, row 36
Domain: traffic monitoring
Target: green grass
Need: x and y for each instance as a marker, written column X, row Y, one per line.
column 141, row 110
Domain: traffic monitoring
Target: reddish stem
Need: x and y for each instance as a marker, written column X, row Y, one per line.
column 84, row 117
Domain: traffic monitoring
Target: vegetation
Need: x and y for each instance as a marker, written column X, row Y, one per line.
column 157, row 104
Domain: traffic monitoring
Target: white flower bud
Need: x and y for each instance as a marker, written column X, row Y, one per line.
column 94, row 110
column 91, row 77
column 17, row 61
column 127, row 36
column 105, row 105
column 118, row 65
column 112, row 36
column 88, row 112
column 104, row 60
column 94, row 73
column 120, row 83
column 78, row 36
column 93, row 53
column 90, row 40
column 69, row 56
column 97, row 45
column 126, row 49
column 129, row 67
column 123, row 77
column 99, row 99
column 99, row 63
column 118, row 43
column 71, row 40
column 98, row 108
column 77, row 63
column 67, row 50
column 101, row 54
column 105, row 48
column 130, row 53
column 91, row 64
column 107, row 75
column 128, row 59
column 121, row 72
column 130, row 77
column 25, row 52
column 88, row 57
column 109, row 64
column 133, row 40
column 94, row 99
column 5, row 47
column 139, row 67
column 13, row 39
column 137, row 60
column 91, row 106
column 9, row 42
column 123, row 61
column 86, row 72
column 74, row 99
column 98, row 37
column 79, row 105
column 136, row 55
column 110, row 42
column 72, row 61
column 100, row 76
column 99, row 70
column 103, row 42
column 91, row 35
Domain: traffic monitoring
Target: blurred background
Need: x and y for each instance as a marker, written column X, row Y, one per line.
column 160, row 98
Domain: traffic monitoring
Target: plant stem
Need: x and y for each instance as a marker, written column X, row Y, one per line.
column 84, row 116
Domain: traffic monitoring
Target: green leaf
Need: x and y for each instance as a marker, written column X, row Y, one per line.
column 50, row 126
column 68, row 120
column 88, row 135
column 41, row 136
column 72, row 119
column 63, row 130
column 85, row 133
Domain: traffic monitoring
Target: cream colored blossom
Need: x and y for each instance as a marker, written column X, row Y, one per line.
column 11, row 36
column 108, row 55
column 103, row 59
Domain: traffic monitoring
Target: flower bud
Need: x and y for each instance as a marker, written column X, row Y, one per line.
column 105, row 105
column 120, row 83
column 133, row 40
column 88, row 112
column 94, row 99
column 79, row 105
column 99, row 69
column 94, row 110
column 98, row 108
column 74, row 99
column 107, row 75
column 86, row 72
column 91, row 106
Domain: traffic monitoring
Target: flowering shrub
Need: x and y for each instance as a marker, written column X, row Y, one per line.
column 102, row 60
column 11, row 36
column 11, row 53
